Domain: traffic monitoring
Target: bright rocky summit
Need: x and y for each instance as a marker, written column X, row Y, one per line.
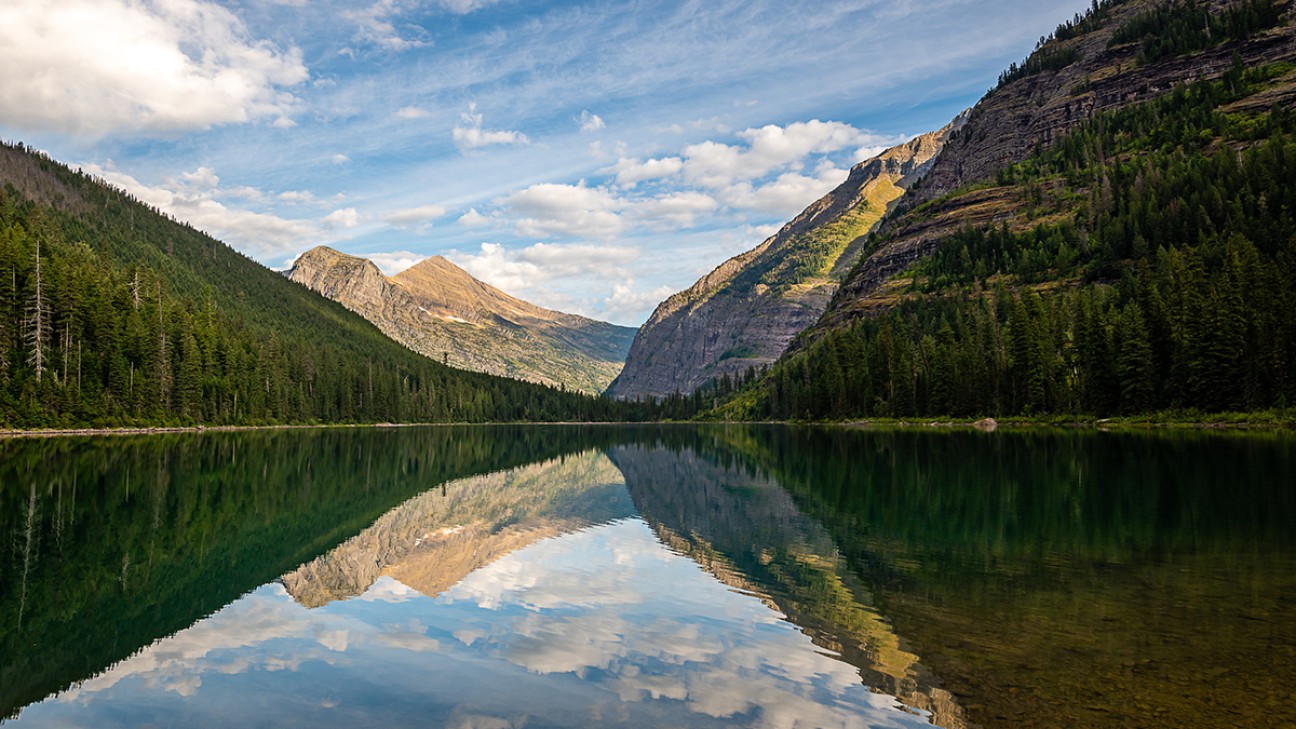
column 439, row 310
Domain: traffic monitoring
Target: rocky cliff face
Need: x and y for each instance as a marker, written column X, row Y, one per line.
column 1011, row 121
column 439, row 310
column 745, row 312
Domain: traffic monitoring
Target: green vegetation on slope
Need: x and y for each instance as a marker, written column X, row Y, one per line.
column 113, row 314
column 1169, row 282
column 1187, row 26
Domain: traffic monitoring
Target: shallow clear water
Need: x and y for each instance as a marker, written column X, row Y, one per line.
column 683, row 576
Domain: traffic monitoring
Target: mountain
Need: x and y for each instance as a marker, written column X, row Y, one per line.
column 744, row 313
column 439, row 310
column 1112, row 232
column 112, row 313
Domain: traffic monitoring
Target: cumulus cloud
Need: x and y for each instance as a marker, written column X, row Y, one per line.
column 394, row 262
column 101, row 66
column 470, row 134
column 297, row 196
column 769, row 148
column 590, row 122
column 340, row 159
column 193, row 199
column 473, row 219
column 630, row 172
column 786, row 196
column 628, row 301
column 533, row 268
column 550, row 209
column 342, row 218
column 674, row 210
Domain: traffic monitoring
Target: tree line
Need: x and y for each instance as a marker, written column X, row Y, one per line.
column 1172, row 284
column 113, row 315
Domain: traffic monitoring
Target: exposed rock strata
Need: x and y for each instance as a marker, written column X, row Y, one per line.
column 1010, row 122
column 745, row 312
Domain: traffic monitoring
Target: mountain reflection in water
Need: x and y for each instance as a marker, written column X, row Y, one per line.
column 679, row 576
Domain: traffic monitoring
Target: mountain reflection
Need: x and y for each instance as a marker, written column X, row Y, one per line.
column 581, row 595
column 653, row 576
column 433, row 540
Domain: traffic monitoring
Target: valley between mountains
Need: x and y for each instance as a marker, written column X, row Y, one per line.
column 1110, row 231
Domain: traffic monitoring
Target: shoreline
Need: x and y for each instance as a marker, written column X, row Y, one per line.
column 987, row 425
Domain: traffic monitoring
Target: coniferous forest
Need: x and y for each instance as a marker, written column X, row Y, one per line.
column 112, row 314
column 1172, row 285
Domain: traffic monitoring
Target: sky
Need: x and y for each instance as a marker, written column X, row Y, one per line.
column 592, row 157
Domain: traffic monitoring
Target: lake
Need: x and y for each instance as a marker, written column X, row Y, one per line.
column 673, row 576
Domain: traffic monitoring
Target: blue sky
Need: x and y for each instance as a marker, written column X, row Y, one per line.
column 592, row 157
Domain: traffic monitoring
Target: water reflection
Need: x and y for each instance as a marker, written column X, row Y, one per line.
column 533, row 597
column 681, row 576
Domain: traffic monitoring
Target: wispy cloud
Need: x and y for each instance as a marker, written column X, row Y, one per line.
column 416, row 217
column 193, row 199
column 590, row 122
column 470, row 135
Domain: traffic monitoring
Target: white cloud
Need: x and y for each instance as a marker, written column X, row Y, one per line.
column 297, row 196
column 470, row 135
column 549, row 209
column 769, row 148
column 675, row 210
column 590, row 122
column 283, row 122
column 412, row 112
column 100, row 66
column 531, row 269
column 628, row 303
column 417, row 217
column 463, row 7
column 394, row 262
column 786, row 196
column 201, row 179
column 340, row 159
column 630, row 172
column 473, row 219
column 375, row 25
column 342, row 218
column 192, row 199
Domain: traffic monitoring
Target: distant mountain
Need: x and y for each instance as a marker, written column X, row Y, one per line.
column 112, row 313
column 1112, row 232
column 745, row 312
column 439, row 310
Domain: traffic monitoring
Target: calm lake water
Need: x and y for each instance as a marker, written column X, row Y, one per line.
column 675, row 576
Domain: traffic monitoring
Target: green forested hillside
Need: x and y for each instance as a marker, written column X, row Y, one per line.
column 113, row 314
column 1160, row 273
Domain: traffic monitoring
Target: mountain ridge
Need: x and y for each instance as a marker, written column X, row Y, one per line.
column 441, row 311
column 743, row 314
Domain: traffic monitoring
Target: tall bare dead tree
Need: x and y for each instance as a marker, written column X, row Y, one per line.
column 38, row 320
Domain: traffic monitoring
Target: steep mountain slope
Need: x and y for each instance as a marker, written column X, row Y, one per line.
column 1111, row 232
column 112, row 313
column 438, row 309
column 744, row 313
column 1039, row 103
